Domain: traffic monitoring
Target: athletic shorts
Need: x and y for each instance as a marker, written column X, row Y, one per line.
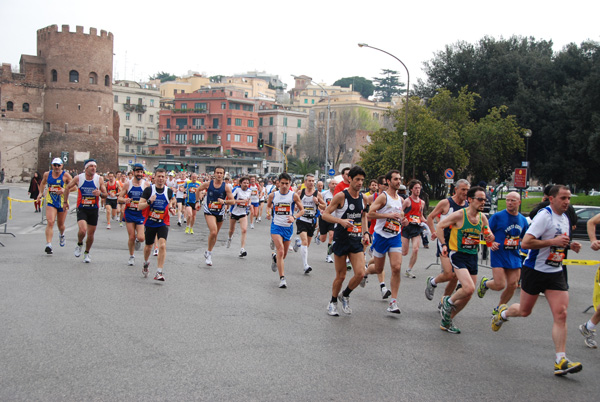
column 302, row 226
column 112, row 202
column 383, row 245
column 410, row 231
column 238, row 217
column 535, row 282
column 219, row 217
column 134, row 217
column 324, row 226
column 346, row 247
column 261, row 201
column 283, row 231
column 180, row 200
column 255, row 204
column 58, row 209
column 90, row 215
column 151, row 233
column 191, row 205
column 464, row 261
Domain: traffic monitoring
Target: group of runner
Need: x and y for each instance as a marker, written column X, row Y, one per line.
column 380, row 223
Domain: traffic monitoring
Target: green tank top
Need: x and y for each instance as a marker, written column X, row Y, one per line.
column 466, row 238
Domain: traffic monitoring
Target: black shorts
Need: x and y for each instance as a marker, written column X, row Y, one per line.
column 112, row 202
column 412, row 230
column 324, row 226
column 151, row 233
column 302, row 226
column 180, row 200
column 90, row 215
column 346, row 247
column 536, row 282
column 219, row 217
column 237, row 217
column 464, row 261
column 191, row 205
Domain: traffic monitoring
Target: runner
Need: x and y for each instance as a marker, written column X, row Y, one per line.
column 344, row 183
column 466, row 227
column 122, row 179
column 91, row 188
column 157, row 204
column 413, row 208
column 113, row 188
column 192, row 199
column 326, row 228
column 129, row 197
column 272, row 189
column 217, row 192
column 180, row 196
column 254, row 200
column 588, row 329
column 305, row 225
column 262, row 198
column 346, row 211
column 387, row 210
column 509, row 227
column 239, row 212
column 442, row 210
column 57, row 201
column 281, row 204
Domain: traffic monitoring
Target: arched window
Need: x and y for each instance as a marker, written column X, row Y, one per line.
column 26, row 107
column 93, row 78
column 54, row 76
column 73, row 76
column 106, row 81
column 9, row 106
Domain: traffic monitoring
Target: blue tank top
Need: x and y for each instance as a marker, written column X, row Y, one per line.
column 212, row 205
column 86, row 198
column 134, row 193
column 53, row 199
column 157, row 214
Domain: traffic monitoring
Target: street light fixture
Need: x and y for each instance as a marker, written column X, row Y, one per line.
column 527, row 134
column 405, row 133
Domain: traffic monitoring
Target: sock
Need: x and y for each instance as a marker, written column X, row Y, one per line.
column 146, row 261
column 304, row 253
column 132, row 255
column 80, row 244
column 560, row 355
column 281, row 277
column 334, row 299
column 503, row 315
column 433, row 283
column 382, row 285
column 346, row 292
column 393, row 301
column 450, row 302
column 159, row 270
column 49, row 245
column 590, row 325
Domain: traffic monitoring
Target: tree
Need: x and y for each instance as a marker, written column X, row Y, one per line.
column 302, row 166
column 388, row 85
column 163, row 77
column 359, row 84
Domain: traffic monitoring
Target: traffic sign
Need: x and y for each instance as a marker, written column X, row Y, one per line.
column 520, row 178
column 449, row 181
column 449, row 174
column 331, row 172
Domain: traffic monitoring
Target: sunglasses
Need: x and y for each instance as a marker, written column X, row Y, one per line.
column 479, row 198
column 56, row 164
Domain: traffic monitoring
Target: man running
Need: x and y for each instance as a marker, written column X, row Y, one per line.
column 311, row 200
column 113, row 189
column 255, row 188
column 134, row 220
column 466, row 227
column 192, row 190
column 91, row 188
column 387, row 209
column 239, row 212
column 508, row 227
column 180, row 196
column 217, row 192
column 282, row 204
column 588, row 329
column 547, row 240
column 57, row 201
column 347, row 212
column 326, row 228
column 344, row 183
column 411, row 234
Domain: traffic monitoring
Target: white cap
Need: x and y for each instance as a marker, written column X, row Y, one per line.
column 402, row 187
column 57, row 160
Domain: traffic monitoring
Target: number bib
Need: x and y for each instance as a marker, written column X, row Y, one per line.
column 355, row 230
column 512, row 243
column 157, row 216
column 133, row 204
column 88, row 201
column 309, row 212
column 215, row 206
column 557, row 254
column 391, row 226
column 414, row 219
column 283, row 209
column 470, row 241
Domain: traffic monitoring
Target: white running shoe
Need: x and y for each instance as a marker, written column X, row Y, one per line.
column 243, row 253
column 252, row 226
column 332, row 310
column 77, row 251
column 283, row 283
column 317, row 240
column 228, row 244
column 131, row 261
column 393, row 308
column 385, row 293
column 86, row 258
column 345, row 303
column 297, row 244
column 329, row 259
column 409, row 274
column 108, row 226
column 208, row 257
column 137, row 245
column 272, row 244
column 155, row 252
column 63, row 240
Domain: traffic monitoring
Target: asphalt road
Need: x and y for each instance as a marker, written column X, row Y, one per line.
column 74, row 331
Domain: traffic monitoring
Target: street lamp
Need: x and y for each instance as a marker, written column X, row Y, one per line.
column 527, row 134
column 405, row 133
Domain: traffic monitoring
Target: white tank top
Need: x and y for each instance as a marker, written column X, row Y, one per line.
column 283, row 206
column 389, row 227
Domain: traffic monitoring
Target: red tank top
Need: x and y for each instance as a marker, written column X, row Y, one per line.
column 414, row 214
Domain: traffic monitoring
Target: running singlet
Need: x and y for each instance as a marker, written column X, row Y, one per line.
column 465, row 239
column 239, row 194
column 547, row 225
column 508, row 230
column 112, row 190
column 310, row 207
column 212, row 205
column 134, row 193
column 157, row 214
column 353, row 210
column 413, row 214
column 86, row 198
column 452, row 208
column 180, row 187
column 389, row 227
column 254, row 195
column 283, row 206
column 54, row 185
column 192, row 189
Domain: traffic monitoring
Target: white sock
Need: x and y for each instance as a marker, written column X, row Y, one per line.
column 503, row 314
column 159, row 270
column 304, row 253
column 433, row 283
column 560, row 355
column 590, row 325
column 48, row 244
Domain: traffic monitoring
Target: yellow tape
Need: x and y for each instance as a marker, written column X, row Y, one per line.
column 10, row 200
column 580, row 262
column 596, row 295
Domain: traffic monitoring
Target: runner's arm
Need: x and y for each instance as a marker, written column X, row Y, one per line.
column 440, row 208
column 591, row 230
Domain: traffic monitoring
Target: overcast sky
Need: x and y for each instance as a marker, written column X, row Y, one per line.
column 316, row 38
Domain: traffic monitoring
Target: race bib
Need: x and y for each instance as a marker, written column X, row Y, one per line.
column 415, row 219
column 391, row 226
column 355, row 230
column 54, row 188
column 157, row 216
column 112, row 193
column 88, row 201
column 283, row 209
column 132, row 204
column 309, row 212
column 557, row 254
column 470, row 241
column 511, row 243
column 215, row 206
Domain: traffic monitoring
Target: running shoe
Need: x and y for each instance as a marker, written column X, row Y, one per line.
column 330, row 249
column 364, row 281
column 63, row 240
column 385, row 293
column 282, row 283
column 178, row 223
column 497, row 319
column 228, row 244
column 108, row 226
column 272, row 244
column 48, row 249
column 259, row 219
column 145, row 269
column 447, row 308
column 138, row 245
column 429, row 289
column 425, row 245
column 208, row 257
column 159, row 277
column 307, row 269
column 191, row 230
column 131, row 261
column 120, row 224
column 495, row 311
column 274, row 262
column 77, row 251
column 252, row 226
column 86, row 258
column 187, row 230
column 566, row 366
column 317, row 240
column 297, row 244
column 393, row 308
column 155, row 252
column 332, row 309
column 448, row 326
column 409, row 274
column 588, row 335
column 481, row 289
column 243, row 253
column 345, row 303
column 348, row 265
column 329, row 259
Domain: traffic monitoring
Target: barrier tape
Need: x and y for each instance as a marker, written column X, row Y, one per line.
column 10, row 201
column 580, row 262
column 596, row 295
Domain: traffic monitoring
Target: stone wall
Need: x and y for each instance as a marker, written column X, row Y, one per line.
column 19, row 148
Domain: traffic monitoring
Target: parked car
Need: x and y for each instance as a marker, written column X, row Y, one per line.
column 584, row 214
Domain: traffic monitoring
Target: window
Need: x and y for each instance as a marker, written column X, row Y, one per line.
column 248, row 108
column 127, row 116
column 73, row 76
column 168, row 123
column 150, row 133
column 224, row 105
column 116, row 98
column 139, row 134
column 250, row 123
column 313, row 101
column 93, row 78
column 229, row 121
column 299, row 123
column 196, row 138
column 250, row 138
column 228, row 137
column 139, row 149
column 151, row 102
column 314, row 93
column 181, row 123
column 260, row 121
column 168, row 139
column 54, row 76
column 270, row 138
column 198, row 122
column 200, row 106
column 127, row 132
column 167, row 151
column 184, row 106
column 180, row 138
column 238, row 122
column 139, row 117
column 305, row 100
column 182, row 152
column 151, row 119
column 9, row 106
column 140, row 101
column 238, row 138
column 174, row 91
column 260, row 135
column 270, row 151
column 183, row 91
column 215, row 123
column 285, row 121
column 128, row 100
column 234, row 106
column 270, row 121
column 106, row 81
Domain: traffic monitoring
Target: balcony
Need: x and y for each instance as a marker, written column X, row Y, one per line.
column 140, row 108
column 198, row 111
column 134, row 140
column 128, row 107
column 206, row 142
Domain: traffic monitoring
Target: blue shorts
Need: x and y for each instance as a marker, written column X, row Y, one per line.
column 285, row 232
column 382, row 245
column 464, row 261
column 58, row 209
column 134, row 217
column 255, row 204
column 506, row 259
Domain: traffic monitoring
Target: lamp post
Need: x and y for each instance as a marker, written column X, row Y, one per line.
column 527, row 134
column 405, row 133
